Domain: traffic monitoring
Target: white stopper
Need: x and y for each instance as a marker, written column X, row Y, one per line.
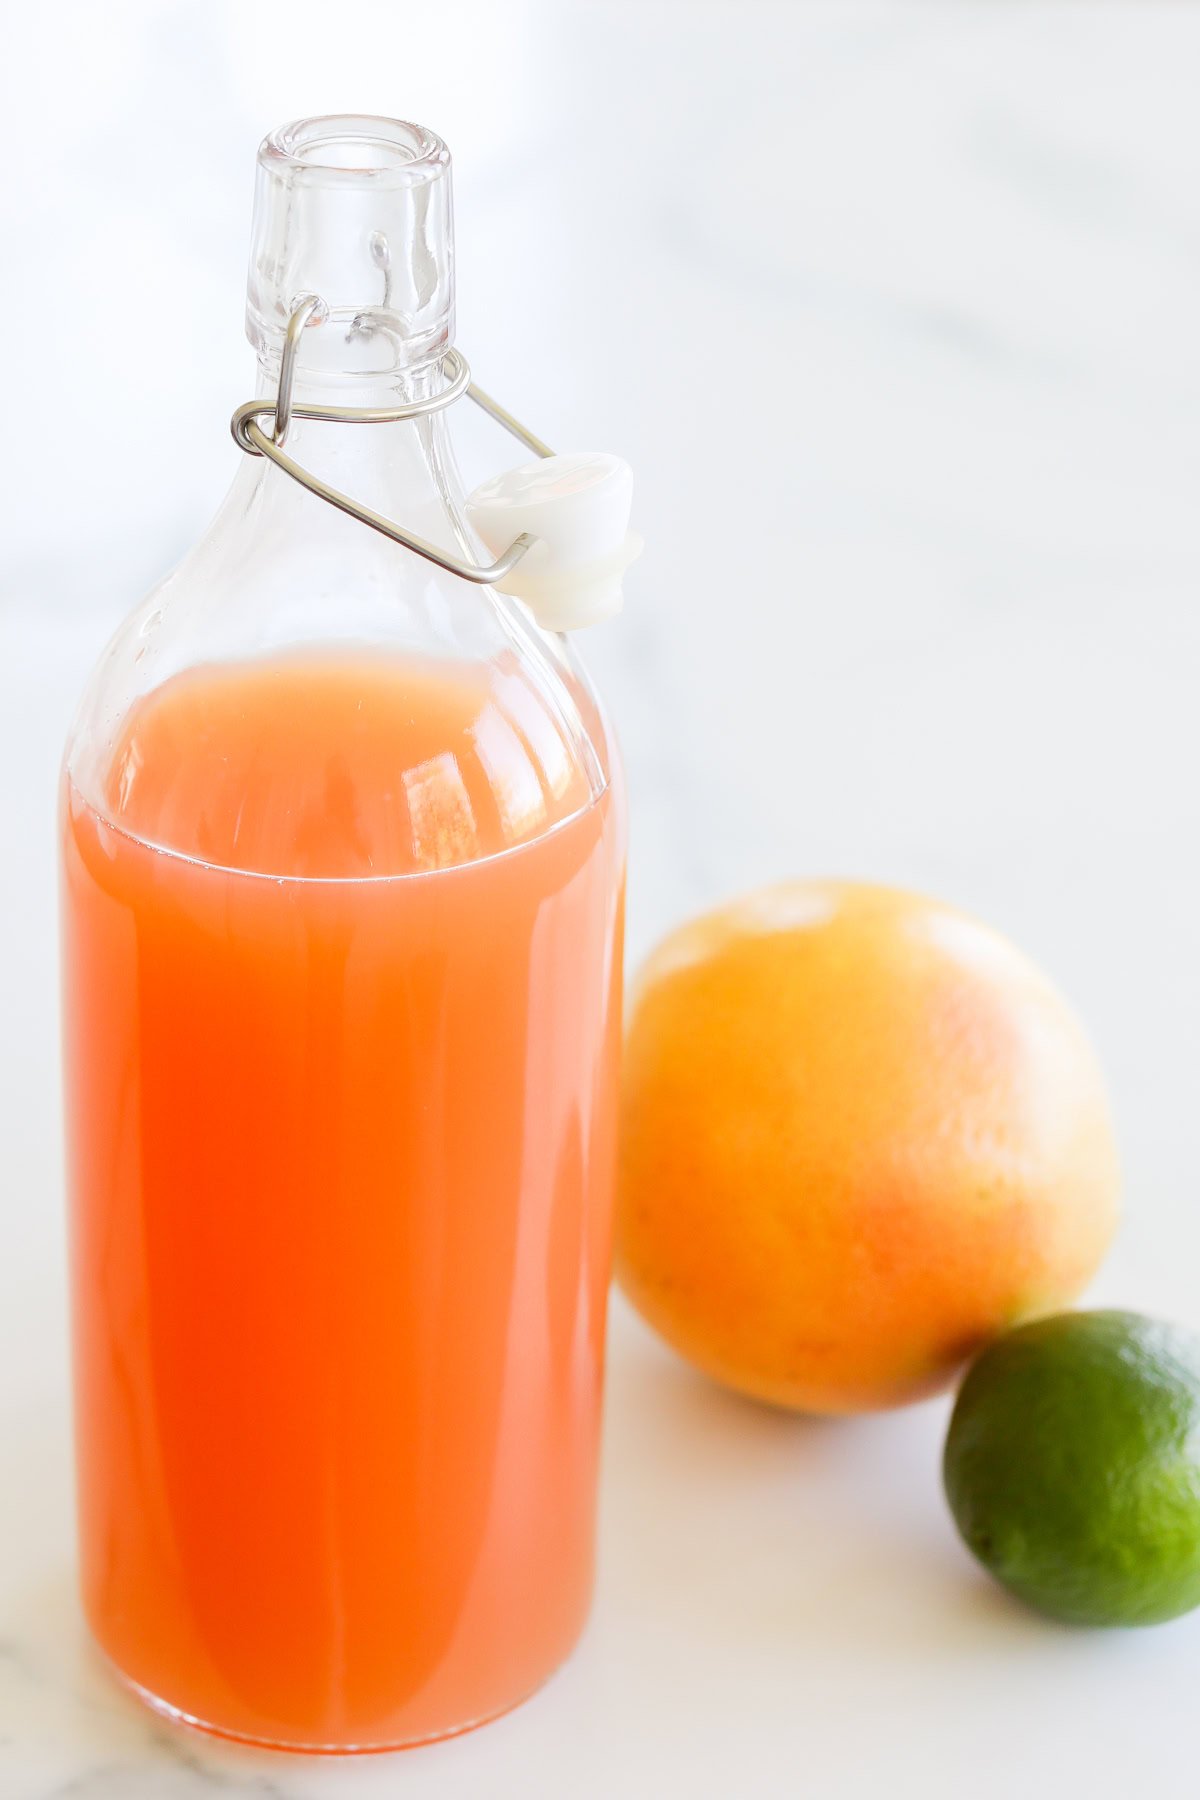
column 577, row 507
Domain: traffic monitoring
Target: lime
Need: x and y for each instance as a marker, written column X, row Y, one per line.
column 1072, row 1466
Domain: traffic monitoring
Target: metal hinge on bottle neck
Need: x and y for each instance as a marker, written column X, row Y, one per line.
column 582, row 517
column 249, row 436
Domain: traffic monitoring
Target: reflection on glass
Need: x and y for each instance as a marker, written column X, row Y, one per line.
column 515, row 787
column 443, row 825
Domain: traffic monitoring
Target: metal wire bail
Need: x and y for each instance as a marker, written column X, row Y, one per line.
column 249, row 436
column 308, row 307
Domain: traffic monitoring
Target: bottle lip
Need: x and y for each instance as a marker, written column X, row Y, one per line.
column 341, row 149
column 357, row 210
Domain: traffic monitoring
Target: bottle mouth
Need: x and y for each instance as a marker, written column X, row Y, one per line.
column 357, row 211
column 338, row 148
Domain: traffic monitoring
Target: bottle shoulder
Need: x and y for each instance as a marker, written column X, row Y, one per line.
column 304, row 702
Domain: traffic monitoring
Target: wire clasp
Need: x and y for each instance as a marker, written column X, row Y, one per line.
column 248, row 434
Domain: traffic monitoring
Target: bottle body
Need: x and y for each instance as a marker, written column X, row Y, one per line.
column 342, row 897
column 341, row 1156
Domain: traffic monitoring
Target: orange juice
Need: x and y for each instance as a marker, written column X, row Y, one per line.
column 342, row 974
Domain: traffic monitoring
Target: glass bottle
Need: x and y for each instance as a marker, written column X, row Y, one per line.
column 343, row 868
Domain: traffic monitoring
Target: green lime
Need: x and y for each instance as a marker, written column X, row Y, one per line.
column 1072, row 1467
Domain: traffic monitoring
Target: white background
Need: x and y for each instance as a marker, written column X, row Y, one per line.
column 894, row 309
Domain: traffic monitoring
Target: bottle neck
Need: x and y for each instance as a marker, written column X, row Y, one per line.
column 353, row 220
column 405, row 468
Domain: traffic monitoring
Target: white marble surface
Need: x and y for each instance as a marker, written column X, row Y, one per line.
column 894, row 309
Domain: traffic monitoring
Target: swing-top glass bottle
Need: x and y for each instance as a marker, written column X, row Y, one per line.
column 343, row 854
